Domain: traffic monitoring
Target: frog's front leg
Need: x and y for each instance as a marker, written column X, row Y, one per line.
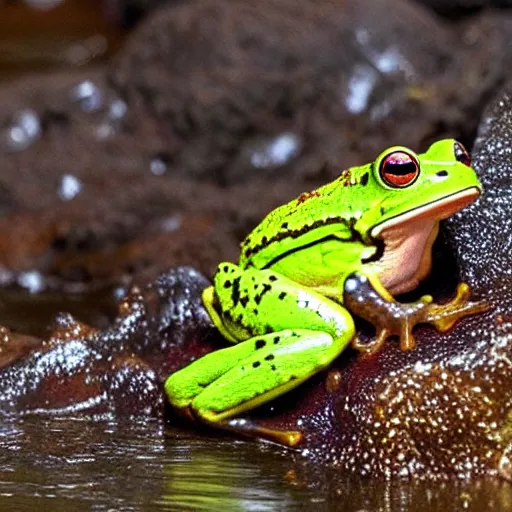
column 367, row 298
column 289, row 333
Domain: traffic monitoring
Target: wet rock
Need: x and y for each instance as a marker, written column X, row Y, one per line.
column 485, row 259
column 118, row 371
column 177, row 321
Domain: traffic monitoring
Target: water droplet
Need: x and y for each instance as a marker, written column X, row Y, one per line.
column 158, row 167
column 26, row 128
column 171, row 224
column 104, row 131
column 360, row 87
column 28, row 120
column 88, row 95
column 120, row 292
column 32, row 280
column 276, row 152
column 69, row 187
column 118, row 109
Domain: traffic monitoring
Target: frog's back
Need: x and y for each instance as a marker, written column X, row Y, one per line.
column 312, row 216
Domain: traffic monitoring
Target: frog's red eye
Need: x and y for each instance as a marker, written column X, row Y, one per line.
column 399, row 169
column 461, row 155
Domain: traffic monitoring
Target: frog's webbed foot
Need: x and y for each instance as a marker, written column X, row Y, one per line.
column 372, row 346
column 393, row 318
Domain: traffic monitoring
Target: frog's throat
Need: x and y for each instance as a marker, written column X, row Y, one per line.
column 408, row 240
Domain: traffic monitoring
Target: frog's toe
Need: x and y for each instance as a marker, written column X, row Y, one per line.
column 246, row 427
column 371, row 346
column 444, row 316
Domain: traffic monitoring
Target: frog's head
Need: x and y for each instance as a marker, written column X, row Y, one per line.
column 417, row 191
column 433, row 185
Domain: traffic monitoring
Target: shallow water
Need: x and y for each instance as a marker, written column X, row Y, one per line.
column 62, row 464
column 34, row 314
column 105, row 465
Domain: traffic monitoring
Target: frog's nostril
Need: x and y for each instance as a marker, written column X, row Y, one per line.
column 442, row 174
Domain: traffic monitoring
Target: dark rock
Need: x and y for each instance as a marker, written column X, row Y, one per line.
column 486, row 39
column 485, row 259
column 84, row 210
column 118, row 371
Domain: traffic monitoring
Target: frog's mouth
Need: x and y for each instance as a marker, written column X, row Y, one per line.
column 404, row 256
column 435, row 211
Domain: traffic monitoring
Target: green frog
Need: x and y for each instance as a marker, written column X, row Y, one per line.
column 344, row 249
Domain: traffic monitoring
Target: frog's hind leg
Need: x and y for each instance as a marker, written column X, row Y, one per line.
column 296, row 333
column 261, row 368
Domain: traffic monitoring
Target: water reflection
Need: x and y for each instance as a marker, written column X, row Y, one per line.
column 108, row 465
column 64, row 461
column 218, row 478
column 137, row 464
